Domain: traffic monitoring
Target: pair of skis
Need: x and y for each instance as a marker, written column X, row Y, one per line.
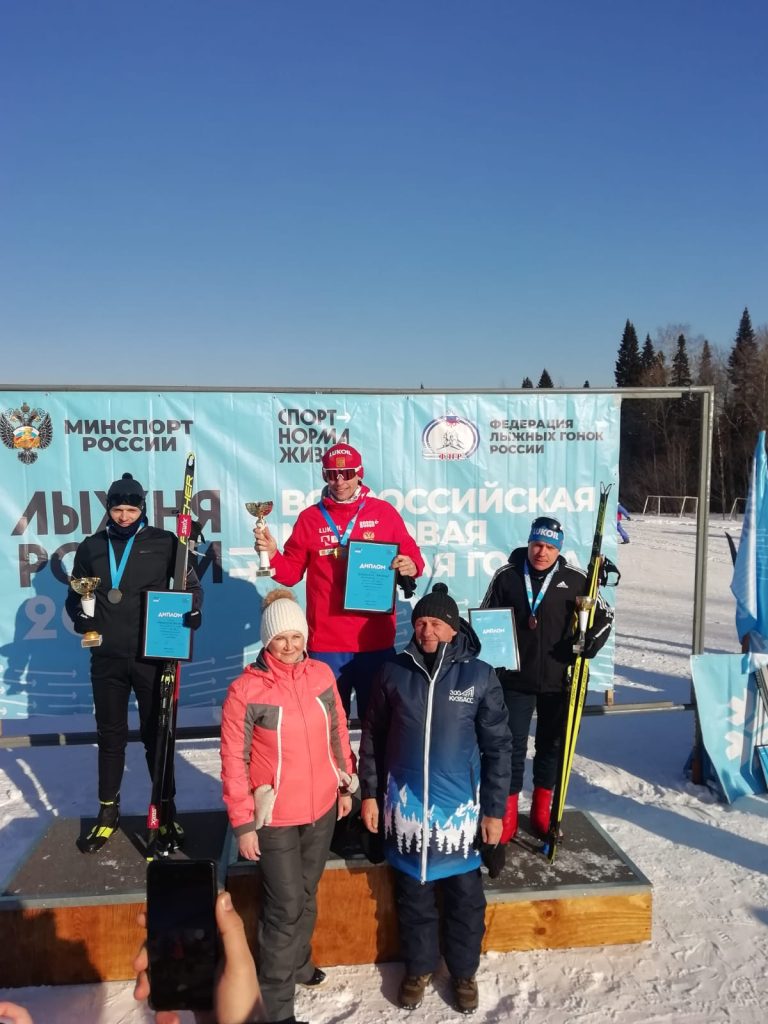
column 577, row 683
column 161, row 836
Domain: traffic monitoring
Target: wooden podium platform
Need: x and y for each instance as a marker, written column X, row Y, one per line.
column 69, row 918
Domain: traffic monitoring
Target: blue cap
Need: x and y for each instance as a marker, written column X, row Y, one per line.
column 546, row 531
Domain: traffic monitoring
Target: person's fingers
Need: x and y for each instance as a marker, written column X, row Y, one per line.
column 238, row 996
column 15, row 1013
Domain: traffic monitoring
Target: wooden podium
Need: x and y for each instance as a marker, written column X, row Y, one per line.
column 69, row 918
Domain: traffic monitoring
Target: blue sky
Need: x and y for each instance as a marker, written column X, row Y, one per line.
column 349, row 193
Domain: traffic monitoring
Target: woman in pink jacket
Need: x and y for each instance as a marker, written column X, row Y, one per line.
column 288, row 775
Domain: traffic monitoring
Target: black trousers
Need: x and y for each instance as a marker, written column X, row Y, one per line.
column 112, row 680
column 550, row 715
column 292, row 860
column 463, row 922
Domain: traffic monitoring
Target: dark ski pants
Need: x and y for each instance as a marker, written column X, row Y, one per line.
column 112, row 680
column 550, row 716
column 354, row 671
column 463, row 922
column 292, row 860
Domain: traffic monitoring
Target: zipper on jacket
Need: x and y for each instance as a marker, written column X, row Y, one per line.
column 309, row 750
column 425, row 831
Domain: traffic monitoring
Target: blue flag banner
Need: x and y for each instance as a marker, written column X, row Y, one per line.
column 749, row 584
column 731, row 720
column 467, row 472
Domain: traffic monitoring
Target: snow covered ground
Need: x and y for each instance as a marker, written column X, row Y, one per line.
column 708, row 862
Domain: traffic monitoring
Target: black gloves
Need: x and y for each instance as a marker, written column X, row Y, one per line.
column 494, row 858
column 407, row 584
column 193, row 620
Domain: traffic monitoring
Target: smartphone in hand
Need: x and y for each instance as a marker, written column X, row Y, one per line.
column 182, row 939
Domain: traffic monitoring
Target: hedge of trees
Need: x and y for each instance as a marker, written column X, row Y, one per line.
column 660, row 438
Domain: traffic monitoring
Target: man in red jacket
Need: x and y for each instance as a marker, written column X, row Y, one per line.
column 353, row 644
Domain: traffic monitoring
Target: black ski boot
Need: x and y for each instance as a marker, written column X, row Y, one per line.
column 171, row 836
column 105, row 827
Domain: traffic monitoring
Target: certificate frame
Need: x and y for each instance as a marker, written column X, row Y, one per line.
column 500, row 647
column 370, row 583
column 166, row 638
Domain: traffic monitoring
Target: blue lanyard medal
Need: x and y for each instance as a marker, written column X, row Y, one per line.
column 340, row 551
column 533, row 605
column 115, row 595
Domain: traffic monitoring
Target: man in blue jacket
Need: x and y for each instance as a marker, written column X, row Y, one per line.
column 435, row 756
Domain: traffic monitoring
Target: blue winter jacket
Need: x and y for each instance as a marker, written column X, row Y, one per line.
column 435, row 752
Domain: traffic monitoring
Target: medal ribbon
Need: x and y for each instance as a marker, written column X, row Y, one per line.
column 533, row 605
column 116, row 571
column 343, row 540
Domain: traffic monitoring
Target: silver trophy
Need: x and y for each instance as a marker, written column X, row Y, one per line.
column 261, row 509
column 85, row 587
column 584, row 606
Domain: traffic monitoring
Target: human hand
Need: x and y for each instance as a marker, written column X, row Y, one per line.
column 404, row 565
column 343, row 805
column 248, row 845
column 15, row 1014
column 490, row 829
column 263, row 540
column 369, row 812
column 193, row 620
column 237, row 996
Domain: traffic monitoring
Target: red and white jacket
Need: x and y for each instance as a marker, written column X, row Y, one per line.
column 284, row 744
column 311, row 549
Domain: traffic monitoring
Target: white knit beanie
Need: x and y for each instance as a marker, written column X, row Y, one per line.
column 281, row 613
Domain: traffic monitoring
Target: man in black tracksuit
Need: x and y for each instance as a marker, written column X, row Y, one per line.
column 129, row 557
column 541, row 588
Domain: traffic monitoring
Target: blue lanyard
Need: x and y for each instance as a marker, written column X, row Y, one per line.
column 533, row 605
column 116, row 571
column 343, row 540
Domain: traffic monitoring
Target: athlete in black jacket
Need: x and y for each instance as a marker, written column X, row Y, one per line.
column 129, row 557
column 541, row 588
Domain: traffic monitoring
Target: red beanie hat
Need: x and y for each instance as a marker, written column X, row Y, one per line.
column 343, row 456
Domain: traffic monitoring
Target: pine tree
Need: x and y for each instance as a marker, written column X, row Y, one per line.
column 527, row 383
column 681, row 370
column 628, row 366
column 743, row 409
column 545, row 381
column 647, row 357
column 705, row 373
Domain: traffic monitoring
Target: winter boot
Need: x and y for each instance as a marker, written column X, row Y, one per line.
column 541, row 808
column 105, row 827
column 412, row 989
column 509, row 821
column 171, row 836
column 467, row 996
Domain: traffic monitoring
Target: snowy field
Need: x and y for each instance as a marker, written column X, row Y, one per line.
column 708, row 862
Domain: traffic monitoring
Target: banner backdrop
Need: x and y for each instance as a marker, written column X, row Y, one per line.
column 468, row 473
column 731, row 723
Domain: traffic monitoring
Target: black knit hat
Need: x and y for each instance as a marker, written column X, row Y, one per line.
column 437, row 605
column 126, row 491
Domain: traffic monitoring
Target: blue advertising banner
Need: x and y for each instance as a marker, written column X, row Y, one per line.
column 468, row 473
column 731, row 720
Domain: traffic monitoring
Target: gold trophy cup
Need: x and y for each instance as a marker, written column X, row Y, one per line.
column 85, row 586
column 261, row 509
column 584, row 606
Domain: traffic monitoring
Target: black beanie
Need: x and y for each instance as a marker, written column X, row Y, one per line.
column 126, row 491
column 437, row 605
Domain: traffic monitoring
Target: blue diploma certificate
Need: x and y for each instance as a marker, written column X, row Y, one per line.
column 165, row 635
column 498, row 639
column 370, row 585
